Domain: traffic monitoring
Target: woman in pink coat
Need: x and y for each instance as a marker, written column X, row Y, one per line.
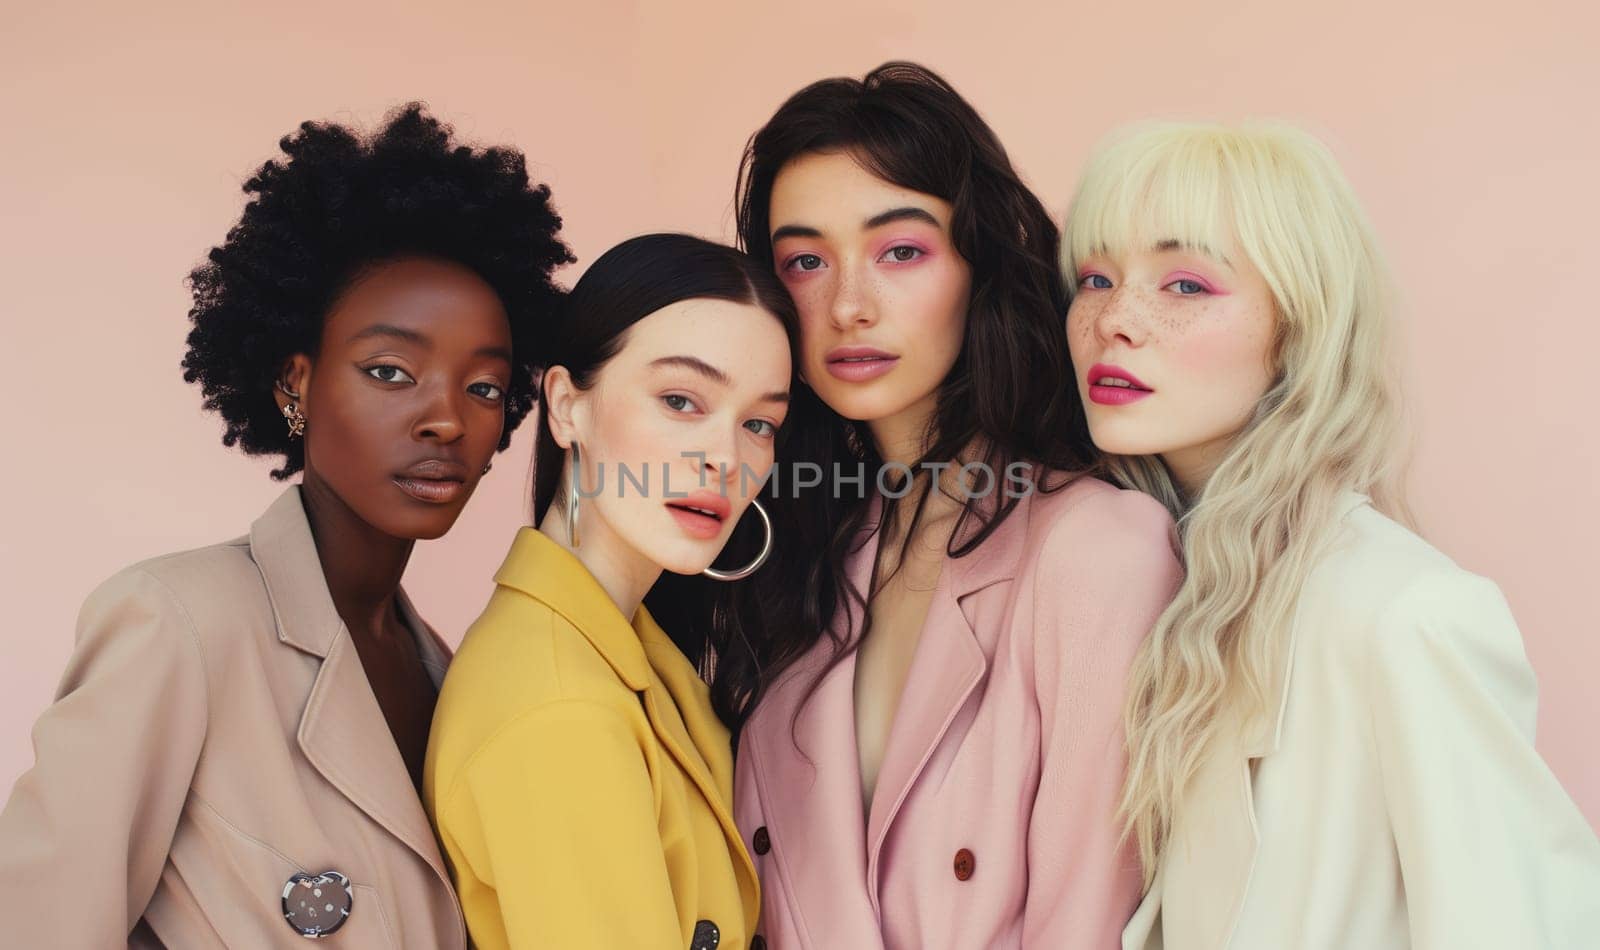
column 929, row 672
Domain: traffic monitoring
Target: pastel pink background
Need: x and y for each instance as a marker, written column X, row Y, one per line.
column 1469, row 132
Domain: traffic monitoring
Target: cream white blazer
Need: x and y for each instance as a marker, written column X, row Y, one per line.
column 1397, row 800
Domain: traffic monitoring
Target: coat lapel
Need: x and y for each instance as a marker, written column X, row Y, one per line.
column 342, row 731
column 1201, row 886
column 808, row 773
column 947, row 666
column 1212, row 851
column 678, row 705
column 675, row 700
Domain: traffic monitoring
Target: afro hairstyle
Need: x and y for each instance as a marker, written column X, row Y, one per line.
column 336, row 204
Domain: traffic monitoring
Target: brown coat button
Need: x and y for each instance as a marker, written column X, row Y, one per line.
column 763, row 841
column 965, row 864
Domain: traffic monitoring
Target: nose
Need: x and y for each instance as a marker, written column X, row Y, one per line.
column 717, row 458
column 1118, row 319
column 851, row 305
column 440, row 419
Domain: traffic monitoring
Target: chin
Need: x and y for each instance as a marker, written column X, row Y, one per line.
column 687, row 562
column 1117, row 440
column 416, row 525
column 861, row 406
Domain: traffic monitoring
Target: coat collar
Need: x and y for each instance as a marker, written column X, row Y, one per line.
column 341, row 718
column 548, row 572
column 286, row 554
column 281, row 543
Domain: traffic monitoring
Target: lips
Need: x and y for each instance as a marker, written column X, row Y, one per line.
column 701, row 514
column 434, row 481
column 1114, row 386
column 859, row 363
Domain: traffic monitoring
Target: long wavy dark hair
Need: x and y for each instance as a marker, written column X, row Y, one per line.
column 1010, row 396
column 623, row 286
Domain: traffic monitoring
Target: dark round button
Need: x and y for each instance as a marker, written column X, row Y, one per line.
column 706, row 936
column 965, row 864
column 317, row 905
column 763, row 841
column 758, row 942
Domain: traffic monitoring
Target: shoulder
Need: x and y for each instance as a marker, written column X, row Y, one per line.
column 1384, row 591
column 188, row 597
column 1374, row 566
column 1091, row 522
column 521, row 655
column 223, row 569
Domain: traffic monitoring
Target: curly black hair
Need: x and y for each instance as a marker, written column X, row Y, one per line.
column 338, row 204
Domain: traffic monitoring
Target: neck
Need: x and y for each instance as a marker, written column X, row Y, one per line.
column 903, row 437
column 1192, row 466
column 362, row 565
column 622, row 573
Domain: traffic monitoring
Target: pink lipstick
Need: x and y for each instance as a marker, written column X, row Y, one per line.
column 701, row 514
column 1115, row 386
column 858, row 364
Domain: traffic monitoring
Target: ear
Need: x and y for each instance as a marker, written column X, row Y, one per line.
column 563, row 405
column 295, row 376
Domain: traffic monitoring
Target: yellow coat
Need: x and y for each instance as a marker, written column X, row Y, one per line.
column 578, row 779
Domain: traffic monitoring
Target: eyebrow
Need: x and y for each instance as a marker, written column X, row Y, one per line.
column 419, row 339
column 712, row 373
column 390, row 330
column 795, row 230
column 1173, row 244
column 907, row 213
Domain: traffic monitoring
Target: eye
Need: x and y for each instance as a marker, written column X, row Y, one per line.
column 902, row 253
column 678, row 402
column 389, row 374
column 1095, row 282
column 803, row 262
column 1188, row 287
column 490, row 391
column 761, row 427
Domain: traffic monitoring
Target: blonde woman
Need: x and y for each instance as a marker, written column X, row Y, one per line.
column 1331, row 728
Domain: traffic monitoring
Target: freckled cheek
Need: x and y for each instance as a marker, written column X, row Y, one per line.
column 815, row 328
column 1081, row 318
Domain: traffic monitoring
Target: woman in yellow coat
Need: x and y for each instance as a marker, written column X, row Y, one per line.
column 578, row 779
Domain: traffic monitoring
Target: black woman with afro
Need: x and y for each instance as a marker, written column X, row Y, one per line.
column 234, row 753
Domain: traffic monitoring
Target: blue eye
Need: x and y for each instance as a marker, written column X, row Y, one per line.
column 1095, row 282
column 389, row 374
column 762, row 427
column 804, row 262
column 1188, row 287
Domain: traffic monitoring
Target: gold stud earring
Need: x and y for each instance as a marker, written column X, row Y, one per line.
column 486, row 468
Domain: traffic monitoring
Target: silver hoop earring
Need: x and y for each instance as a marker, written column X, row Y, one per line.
column 748, row 569
column 572, row 495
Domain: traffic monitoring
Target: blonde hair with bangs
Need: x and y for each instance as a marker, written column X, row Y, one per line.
column 1328, row 423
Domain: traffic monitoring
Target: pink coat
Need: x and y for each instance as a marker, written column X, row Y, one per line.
column 993, row 822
